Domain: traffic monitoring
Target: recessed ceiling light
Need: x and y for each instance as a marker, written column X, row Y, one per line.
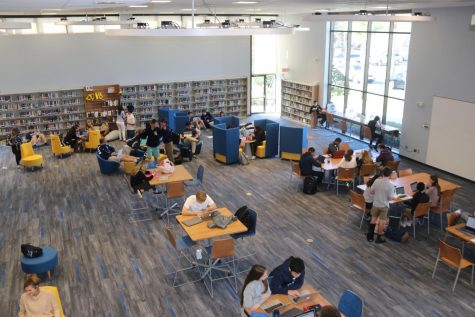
column 51, row 9
column 244, row 2
column 188, row 9
column 160, row 1
column 322, row 10
column 253, row 9
column 138, row 6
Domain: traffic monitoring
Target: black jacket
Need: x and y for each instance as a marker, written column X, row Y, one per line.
column 306, row 163
column 281, row 281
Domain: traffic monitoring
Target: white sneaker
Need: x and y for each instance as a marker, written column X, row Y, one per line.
column 409, row 223
column 404, row 224
column 253, row 158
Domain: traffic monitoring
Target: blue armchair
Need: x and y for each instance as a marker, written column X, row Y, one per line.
column 107, row 167
column 293, row 142
column 271, row 147
column 231, row 122
column 226, row 144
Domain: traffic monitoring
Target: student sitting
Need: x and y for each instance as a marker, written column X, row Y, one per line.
column 419, row 197
column 105, row 129
column 259, row 137
column 334, row 146
column 196, row 121
column 348, row 161
column 329, row 311
column 385, row 155
column 288, row 277
column 255, row 289
column 107, row 152
column 190, row 136
column 198, row 205
column 207, row 119
column 364, row 159
column 73, row 138
column 36, row 138
column 35, row 302
column 433, row 190
column 307, row 162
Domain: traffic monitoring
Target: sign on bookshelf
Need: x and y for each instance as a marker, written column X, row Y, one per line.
column 101, row 102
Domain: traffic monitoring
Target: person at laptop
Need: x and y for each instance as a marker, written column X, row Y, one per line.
column 288, row 277
column 433, row 190
column 255, row 289
column 190, row 136
column 334, row 146
column 329, row 311
column 384, row 155
column 198, row 205
column 419, row 197
column 382, row 190
column 107, row 152
column 348, row 160
column 307, row 162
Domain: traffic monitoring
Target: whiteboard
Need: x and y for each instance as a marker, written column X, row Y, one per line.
column 452, row 132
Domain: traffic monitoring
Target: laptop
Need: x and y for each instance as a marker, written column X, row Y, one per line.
column 270, row 306
column 306, row 298
column 470, row 226
column 296, row 312
column 309, row 313
column 414, row 187
column 196, row 220
column 338, row 154
column 400, row 192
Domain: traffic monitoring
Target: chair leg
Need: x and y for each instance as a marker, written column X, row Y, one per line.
column 362, row 218
column 473, row 270
column 414, row 229
column 436, row 262
column 441, row 225
column 456, row 279
column 428, row 226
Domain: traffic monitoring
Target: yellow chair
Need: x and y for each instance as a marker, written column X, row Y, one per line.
column 54, row 291
column 261, row 150
column 28, row 156
column 94, row 138
column 57, row 148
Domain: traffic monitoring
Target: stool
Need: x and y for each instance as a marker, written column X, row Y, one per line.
column 45, row 263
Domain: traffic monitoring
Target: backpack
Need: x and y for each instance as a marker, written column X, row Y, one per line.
column 30, row 251
column 309, row 185
column 396, row 233
column 244, row 216
column 140, row 181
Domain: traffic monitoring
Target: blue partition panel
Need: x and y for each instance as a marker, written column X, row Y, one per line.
column 231, row 121
column 292, row 142
column 226, row 144
column 180, row 122
column 272, row 139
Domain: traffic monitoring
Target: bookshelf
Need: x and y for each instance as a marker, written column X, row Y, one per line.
column 100, row 103
column 227, row 95
column 297, row 98
column 49, row 112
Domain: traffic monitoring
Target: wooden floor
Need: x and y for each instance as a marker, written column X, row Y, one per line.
column 109, row 267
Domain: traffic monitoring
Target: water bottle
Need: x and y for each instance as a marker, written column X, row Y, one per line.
column 276, row 313
column 199, row 255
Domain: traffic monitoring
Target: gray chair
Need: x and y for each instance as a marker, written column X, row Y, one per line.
column 138, row 207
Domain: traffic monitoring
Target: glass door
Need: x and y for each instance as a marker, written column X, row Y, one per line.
column 263, row 94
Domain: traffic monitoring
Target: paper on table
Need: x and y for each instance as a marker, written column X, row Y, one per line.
column 473, row 240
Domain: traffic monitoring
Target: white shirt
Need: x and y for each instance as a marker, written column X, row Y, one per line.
column 383, row 192
column 130, row 122
column 368, row 195
column 193, row 205
column 345, row 164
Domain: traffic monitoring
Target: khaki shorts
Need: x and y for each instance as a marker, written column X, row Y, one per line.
column 381, row 213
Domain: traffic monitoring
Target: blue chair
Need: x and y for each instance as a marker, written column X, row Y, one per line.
column 42, row 264
column 351, row 305
column 199, row 177
column 106, row 166
column 251, row 231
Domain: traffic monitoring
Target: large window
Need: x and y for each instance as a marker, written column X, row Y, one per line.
column 368, row 67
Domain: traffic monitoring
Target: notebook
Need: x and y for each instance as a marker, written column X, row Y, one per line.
column 192, row 221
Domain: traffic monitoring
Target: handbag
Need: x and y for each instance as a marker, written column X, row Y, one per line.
column 166, row 167
column 30, row 251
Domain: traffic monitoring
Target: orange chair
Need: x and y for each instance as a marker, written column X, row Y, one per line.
column 344, row 146
column 453, row 258
column 422, row 210
column 220, row 250
column 345, row 175
column 393, row 165
column 367, row 133
column 367, row 170
column 444, row 205
column 406, row 172
column 325, row 150
column 452, row 218
column 175, row 191
column 343, row 126
column 358, row 203
column 295, row 171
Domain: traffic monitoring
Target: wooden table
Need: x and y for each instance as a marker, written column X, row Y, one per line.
column 201, row 231
column 180, row 175
column 418, row 177
column 287, row 300
column 464, row 237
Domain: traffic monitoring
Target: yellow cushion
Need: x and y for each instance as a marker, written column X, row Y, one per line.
column 32, row 160
column 130, row 168
column 94, row 138
column 54, row 291
column 261, row 150
column 220, row 158
column 290, row 156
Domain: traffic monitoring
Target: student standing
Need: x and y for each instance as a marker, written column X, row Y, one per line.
column 288, row 277
column 35, row 302
column 130, row 122
column 120, row 121
column 14, row 140
column 382, row 190
column 153, row 136
column 376, row 134
column 167, row 139
column 255, row 289
column 369, row 197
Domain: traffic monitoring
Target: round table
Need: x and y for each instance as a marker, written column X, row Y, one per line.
column 45, row 263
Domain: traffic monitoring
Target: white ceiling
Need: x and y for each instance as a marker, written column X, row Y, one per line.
column 221, row 6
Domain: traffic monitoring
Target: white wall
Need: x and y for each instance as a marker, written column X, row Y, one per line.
column 303, row 53
column 30, row 63
column 441, row 63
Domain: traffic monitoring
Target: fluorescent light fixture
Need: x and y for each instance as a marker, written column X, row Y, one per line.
column 98, row 22
column 188, row 9
column 357, row 17
column 473, row 20
column 244, row 2
column 160, row 1
column 200, row 32
column 15, row 25
column 138, row 6
column 51, row 9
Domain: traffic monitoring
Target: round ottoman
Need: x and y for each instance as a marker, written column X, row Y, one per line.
column 45, row 263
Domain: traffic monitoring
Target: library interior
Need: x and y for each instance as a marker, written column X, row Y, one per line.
column 237, row 158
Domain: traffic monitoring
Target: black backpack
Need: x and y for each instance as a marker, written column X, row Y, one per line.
column 309, row 185
column 140, row 181
column 244, row 216
column 30, row 251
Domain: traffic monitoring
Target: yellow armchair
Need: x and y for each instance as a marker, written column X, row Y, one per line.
column 28, row 156
column 57, row 148
column 261, row 150
column 94, row 138
column 54, row 291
